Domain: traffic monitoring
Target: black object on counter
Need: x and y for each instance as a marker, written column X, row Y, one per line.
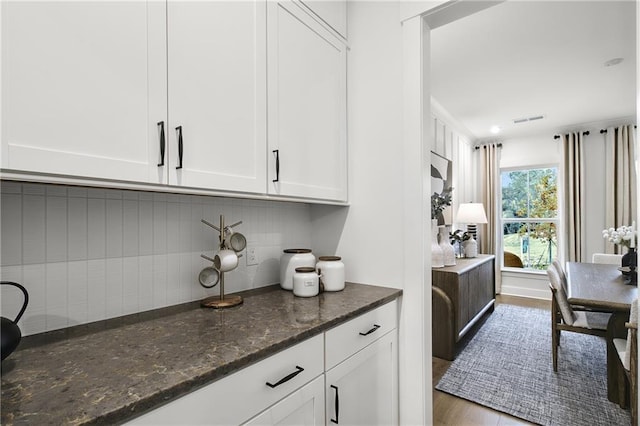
column 10, row 332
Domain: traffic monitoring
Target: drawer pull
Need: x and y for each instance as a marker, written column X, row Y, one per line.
column 287, row 378
column 336, row 403
column 375, row 327
column 162, row 143
column 180, row 147
column 277, row 153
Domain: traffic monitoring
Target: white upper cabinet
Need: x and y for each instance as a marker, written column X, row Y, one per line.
column 332, row 12
column 217, row 94
column 306, row 106
column 76, row 89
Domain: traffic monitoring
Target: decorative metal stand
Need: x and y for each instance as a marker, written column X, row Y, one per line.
column 221, row 301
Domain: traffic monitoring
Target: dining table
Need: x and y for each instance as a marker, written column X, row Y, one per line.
column 603, row 288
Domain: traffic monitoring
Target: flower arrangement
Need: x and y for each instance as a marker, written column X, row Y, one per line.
column 440, row 201
column 459, row 236
column 624, row 235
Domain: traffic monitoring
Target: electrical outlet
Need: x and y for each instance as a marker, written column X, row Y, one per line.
column 252, row 256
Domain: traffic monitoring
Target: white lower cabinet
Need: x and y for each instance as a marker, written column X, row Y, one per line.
column 359, row 387
column 361, row 362
column 363, row 389
column 303, row 407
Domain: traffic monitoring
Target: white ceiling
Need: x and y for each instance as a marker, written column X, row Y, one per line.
column 529, row 58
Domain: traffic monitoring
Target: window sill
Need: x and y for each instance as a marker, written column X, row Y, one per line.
column 518, row 271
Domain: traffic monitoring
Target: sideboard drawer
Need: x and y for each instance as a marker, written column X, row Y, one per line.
column 345, row 340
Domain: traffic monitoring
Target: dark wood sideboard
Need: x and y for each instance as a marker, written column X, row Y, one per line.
column 462, row 294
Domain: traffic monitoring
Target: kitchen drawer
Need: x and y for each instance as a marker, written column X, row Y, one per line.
column 344, row 340
column 242, row 395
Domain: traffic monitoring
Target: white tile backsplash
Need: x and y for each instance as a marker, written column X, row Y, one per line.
column 88, row 254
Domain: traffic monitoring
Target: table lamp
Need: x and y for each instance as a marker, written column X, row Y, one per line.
column 471, row 214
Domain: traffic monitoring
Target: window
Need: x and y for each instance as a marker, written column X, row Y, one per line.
column 530, row 215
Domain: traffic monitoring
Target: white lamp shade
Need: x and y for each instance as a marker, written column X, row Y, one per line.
column 471, row 213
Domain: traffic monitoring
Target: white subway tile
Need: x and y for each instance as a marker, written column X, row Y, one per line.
column 35, row 281
column 159, row 227
column 130, row 228
column 97, row 289
column 199, row 231
column 98, row 193
column 33, row 322
column 130, row 289
column 56, row 228
column 185, row 224
column 130, row 195
column 34, row 189
column 78, row 314
column 56, row 191
column 77, row 229
column 115, row 287
column 78, row 292
column 96, row 228
column 145, row 283
column 159, row 280
column 57, row 285
column 173, row 227
column 114, row 228
column 173, row 279
column 77, row 192
column 113, row 194
column 188, row 278
column 145, row 228
column 11, row 232
column 9, row 187
column 57, row 317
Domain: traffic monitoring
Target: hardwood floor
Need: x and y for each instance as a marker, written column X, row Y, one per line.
column 450, row 410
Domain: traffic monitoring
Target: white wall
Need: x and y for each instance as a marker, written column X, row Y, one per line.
column 87, row 254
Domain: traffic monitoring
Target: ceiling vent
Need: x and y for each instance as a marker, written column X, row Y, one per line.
column 525, row 119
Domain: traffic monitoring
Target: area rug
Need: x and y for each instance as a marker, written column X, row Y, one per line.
column 507, row 366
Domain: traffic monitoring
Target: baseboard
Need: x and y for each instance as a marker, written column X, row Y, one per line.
column 526, row 292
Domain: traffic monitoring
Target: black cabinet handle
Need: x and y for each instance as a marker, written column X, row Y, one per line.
column 162, row 143
column 336, row 406
column 287, row 378
column 375, row 327
column 277, row 152
column 179, row 129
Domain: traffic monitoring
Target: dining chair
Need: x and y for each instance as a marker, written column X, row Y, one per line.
column 626, row 362
column 610, row 259
column 565, row 318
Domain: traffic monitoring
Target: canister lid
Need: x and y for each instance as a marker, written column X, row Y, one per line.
column 305, row 269
column 297, row 251
column 329, row 258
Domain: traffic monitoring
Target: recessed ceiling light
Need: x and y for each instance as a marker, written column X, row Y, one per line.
column 612, row 62
column 495, row 129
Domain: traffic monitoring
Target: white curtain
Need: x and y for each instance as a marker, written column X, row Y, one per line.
column 621, row 198
column 574, row 199
column 491, row 241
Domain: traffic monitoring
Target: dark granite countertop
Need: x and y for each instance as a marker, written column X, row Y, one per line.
column 110, row 371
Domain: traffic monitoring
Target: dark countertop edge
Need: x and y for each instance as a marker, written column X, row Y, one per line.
column 164, row 396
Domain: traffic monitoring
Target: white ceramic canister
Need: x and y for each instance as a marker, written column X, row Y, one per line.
column 331, row 270
column 305, row 282
column 292, row 259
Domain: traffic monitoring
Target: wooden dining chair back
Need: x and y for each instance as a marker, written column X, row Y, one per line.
column 609, row 259
column 565, row 318
column 625, row 368
column 512, row 260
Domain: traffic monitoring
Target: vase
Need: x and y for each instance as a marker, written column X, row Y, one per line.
column 437, row 256
column 448, row 251
column 470, row 248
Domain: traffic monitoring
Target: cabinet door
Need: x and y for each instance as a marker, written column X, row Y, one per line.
column 79, row 83
column 363, row 390
column 217, row 94
column 307, row 106
column 303, row 407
